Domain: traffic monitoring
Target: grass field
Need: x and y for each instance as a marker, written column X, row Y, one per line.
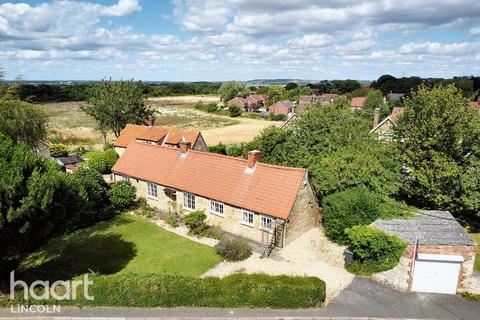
column 123, row 244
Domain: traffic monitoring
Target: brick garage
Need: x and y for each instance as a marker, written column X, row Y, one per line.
column 444, row 258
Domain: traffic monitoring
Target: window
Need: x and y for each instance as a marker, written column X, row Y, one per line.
column 247, row 218
column 189, row 201
column 216, row 208
column 152, row 190
column 125, row 178
column 266, row 223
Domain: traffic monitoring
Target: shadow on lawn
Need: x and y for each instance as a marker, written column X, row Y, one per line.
column 86, row 250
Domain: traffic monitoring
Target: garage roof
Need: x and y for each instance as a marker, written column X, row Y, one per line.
column 431, row 227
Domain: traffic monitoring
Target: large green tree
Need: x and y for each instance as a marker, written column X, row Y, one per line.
column 230, row 89
column 116, row 104
column 335, row 145
column 439, row 142
column 22, row 121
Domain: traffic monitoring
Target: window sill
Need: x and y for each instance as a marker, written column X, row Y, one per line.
column 218, row 214
column 250, row 225
column 152, row 198
column 269, row 230
column 188, row 209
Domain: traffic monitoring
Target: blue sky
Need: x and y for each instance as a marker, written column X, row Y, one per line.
column 192, row 40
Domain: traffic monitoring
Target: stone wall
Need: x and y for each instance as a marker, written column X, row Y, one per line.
column 398, row 277
column 305, row 213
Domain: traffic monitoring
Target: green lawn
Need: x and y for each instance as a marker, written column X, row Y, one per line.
column 476, row 237
column 123, row 244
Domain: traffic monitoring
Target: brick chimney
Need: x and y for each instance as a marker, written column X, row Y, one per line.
column 376, row 116
column 184, row 146
column 254, row 156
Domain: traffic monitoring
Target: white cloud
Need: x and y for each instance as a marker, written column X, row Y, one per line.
column 122, row 8
column 475, row 31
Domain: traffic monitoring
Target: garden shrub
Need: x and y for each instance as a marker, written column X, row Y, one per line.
column 98, row 164
column 233, row 250
column 373, row 249
column 234, row 291
column 348, row 208
column 210, row 232
column 234, row 111
column 58, row 150
column 172, row 221
column 110, row 157
column 122, row 195
column 219, row 148
column 195, row 221
column 280, row 117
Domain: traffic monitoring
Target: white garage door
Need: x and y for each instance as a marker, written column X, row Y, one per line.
column 436, row 273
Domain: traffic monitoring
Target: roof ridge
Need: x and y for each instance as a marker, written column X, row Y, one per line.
column 212, row 154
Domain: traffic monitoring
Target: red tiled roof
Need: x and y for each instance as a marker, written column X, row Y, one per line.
column 474, row 105
column 268, row 189
column 396, row 111
column 173, row 135
column 357, row 102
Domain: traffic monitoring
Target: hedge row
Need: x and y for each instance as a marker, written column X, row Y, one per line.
column 239, row 290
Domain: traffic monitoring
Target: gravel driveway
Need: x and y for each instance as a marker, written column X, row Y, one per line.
column 311, row 255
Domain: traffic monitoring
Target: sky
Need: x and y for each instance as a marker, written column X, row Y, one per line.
column 217, row 40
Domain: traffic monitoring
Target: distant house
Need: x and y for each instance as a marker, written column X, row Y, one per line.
column 439, row 258
column 305, row 101
column 285, row 107
column 170, row 137
column 327, row 98
column 237, row 101
column 265, row 203
column 255, row 102
column 69, row 164
column 395, row 96
column 384, row 128
column 357, row 102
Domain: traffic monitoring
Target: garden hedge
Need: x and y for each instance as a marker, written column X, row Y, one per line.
column 235, row 291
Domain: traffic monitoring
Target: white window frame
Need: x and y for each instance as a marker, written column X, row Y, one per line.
column 126, row 178
column 152, row 190
column 188, row 199
column 246, row 222
column 266, row 226
column 214, row 205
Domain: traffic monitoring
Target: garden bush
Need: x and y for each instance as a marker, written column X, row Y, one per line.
column 233, row 250
column 110, row 157
column 373, row 249
column 345, row 209
column 195, row 221
column 172, row 221
column 235, row 291
column 103, row 161
column 122, row 195
column 219, row 148
column 58, row 150
column 98, row 164
column 234, row 111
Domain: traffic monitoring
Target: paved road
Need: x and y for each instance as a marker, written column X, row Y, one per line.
column 361, row 299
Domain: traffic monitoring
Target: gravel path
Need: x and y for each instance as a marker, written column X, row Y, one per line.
column 311, row 254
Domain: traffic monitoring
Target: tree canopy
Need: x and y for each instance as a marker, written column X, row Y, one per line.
column 439, row 143
column 230, row 89
column 116, row 104
column 22, row 121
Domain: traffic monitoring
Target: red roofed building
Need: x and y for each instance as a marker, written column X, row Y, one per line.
column 357, row 102
column 237, row 101
column 169, row 137
column 285, row 107
column 261, row 202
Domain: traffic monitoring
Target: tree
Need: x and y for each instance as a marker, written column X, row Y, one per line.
column 234, row 111
column 22, row 121
column 375, row 100
column 291, row 86
column 334, row 144
column 122, row 195
column 231, row 89
column 116, row 104
column 440, row 147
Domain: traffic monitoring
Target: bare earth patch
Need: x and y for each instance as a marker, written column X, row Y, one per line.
column 312, row 254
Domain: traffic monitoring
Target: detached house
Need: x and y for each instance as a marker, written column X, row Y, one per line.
column 251, row 103
column 260, row 202
column 169, row 137
column 285, row 107
column 357, row 102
